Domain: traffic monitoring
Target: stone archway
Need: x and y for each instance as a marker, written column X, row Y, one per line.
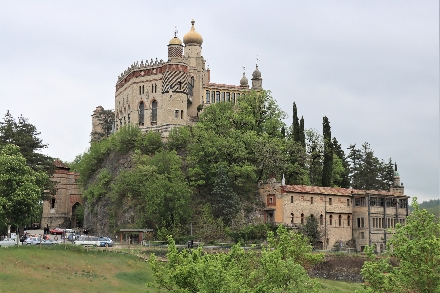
column 77, row 219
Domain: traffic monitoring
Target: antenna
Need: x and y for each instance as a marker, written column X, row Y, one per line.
column 175, row 31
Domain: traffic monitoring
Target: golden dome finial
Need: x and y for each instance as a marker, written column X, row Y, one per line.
column 192, row 37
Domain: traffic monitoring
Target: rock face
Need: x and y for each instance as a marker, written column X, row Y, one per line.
column 340, row 268
column 100, row 216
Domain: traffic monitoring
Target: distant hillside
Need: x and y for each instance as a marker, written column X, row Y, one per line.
column 432, row 206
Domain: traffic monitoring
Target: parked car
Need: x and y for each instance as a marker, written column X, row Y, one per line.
column 56, row 231
column 105, row 242
column 8, row 242
column 69, row 231
column 38, row 241
column 87, row 241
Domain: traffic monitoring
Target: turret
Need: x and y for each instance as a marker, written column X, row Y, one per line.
column 257, row 81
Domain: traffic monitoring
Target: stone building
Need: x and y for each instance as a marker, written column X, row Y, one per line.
column 366, row 216
column 159, row 95
column 60, row 210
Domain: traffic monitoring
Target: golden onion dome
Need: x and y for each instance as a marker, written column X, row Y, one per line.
column 175, row 41
column 192, row 36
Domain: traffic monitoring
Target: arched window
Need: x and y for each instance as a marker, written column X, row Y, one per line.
column 213, row 97
column 141, row 113
column 217, row 97
column 228, row 95
column 340, row 220
column 154, row 111
column 321, row 219
column 331, row 220
column 302, row 219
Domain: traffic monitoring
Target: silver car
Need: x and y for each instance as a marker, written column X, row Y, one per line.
column 8, row 242
column 38, row 241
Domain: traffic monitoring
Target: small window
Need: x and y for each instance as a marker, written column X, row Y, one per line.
column 233, row 97
column 311, row 200
column 143, row 89
column 340, row 220
column 207, row 97
column 291, row 199
column 302, row 219
column 213, row 97
column 176, row 114
column 348, row 220
column 291, row 218
column 331, row 219
column 228, row 98
column 223, row 96
column 217, row 97
column 348, row 202
column 52, row 203
column 140, row 90
column 321, row 219
column 330, row 201
column 181, row 114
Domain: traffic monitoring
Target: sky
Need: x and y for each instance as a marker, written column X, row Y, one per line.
column 371, row 67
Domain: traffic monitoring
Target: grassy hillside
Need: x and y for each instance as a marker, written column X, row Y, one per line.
column 432, row 206
column 56, row 269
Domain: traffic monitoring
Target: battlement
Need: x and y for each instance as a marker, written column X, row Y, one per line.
column 139, row 66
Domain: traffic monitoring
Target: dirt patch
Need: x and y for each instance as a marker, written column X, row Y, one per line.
column 341, row 268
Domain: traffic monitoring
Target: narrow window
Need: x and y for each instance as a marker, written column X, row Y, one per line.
column 141, row 113
column 207, row 97
column 176, row 114
column 291, row 199
column 154, row 111
column 348, row 220
column 143, row 89
column 213, row 96
column 52, row 203
column 223, row 96
column 348, row 202
column 155, row 88
column 270, row 200
column 362, row 222
column 140, row 90
column 233, row 98
column 181, row 114
column 291, row 218
column 330, row 201
column 302, row 219
column 228, row 99
column 331, row 219
column 217, row 97
column 321, row 218
column 152, row 88
column 311, row 200
column 340, row 220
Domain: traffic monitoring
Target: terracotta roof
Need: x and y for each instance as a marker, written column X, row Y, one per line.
column 332, row 190
column 60, row 164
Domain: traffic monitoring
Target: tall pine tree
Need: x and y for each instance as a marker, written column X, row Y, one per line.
column 295, row 123
column 327, row 167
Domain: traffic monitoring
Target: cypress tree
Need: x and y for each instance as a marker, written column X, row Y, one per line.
column 327, row 167
column 302, row 134
column 295, row 123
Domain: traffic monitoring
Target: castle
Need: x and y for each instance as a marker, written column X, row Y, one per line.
column 159, row 95
column 365, row 216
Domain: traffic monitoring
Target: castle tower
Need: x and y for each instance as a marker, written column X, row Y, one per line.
column 397, row 188
column 175, row 49
column 257, row 81
column 196, row 69
column 244, row 81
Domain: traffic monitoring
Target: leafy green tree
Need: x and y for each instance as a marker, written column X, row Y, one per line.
column 341, row 167
column 106, row 122
column 278, row 268
column 327, row 166
column 314, row 149
column 416, row 248
column 20, row 191
column 25, row 135
column 311, row 230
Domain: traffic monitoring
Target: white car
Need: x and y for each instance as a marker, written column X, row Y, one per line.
column 8, row 242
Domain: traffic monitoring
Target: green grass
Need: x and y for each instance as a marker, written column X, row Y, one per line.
column 331, row 286
column 75, row 269
column 56, row 269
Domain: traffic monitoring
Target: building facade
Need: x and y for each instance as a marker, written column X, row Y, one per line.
column 365, row 216
column 60, row 210
column 159, row 95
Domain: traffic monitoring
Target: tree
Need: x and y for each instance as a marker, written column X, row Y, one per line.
column 106, row 121
column 278, row 268
column 416, row 249
column 327, row 166
column 311, row 230
column 295, row 124
column 314, row 149
column 341, row 167
column 20, row 191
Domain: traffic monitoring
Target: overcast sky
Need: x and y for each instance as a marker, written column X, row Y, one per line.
column 371, row 67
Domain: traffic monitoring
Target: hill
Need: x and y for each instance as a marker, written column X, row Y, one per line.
column 432, row 206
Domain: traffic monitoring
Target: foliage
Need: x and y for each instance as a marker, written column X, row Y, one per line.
column 432, row 206
column 278, row 268
column 106, row 121
column 100, row 187
column 341, row 166
column 209, row 228
column 327, row 165
column 251, row 233
column 416, row 248
column 314, row 150
column 25, row 135
column 20, row 191
column 311, row 230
